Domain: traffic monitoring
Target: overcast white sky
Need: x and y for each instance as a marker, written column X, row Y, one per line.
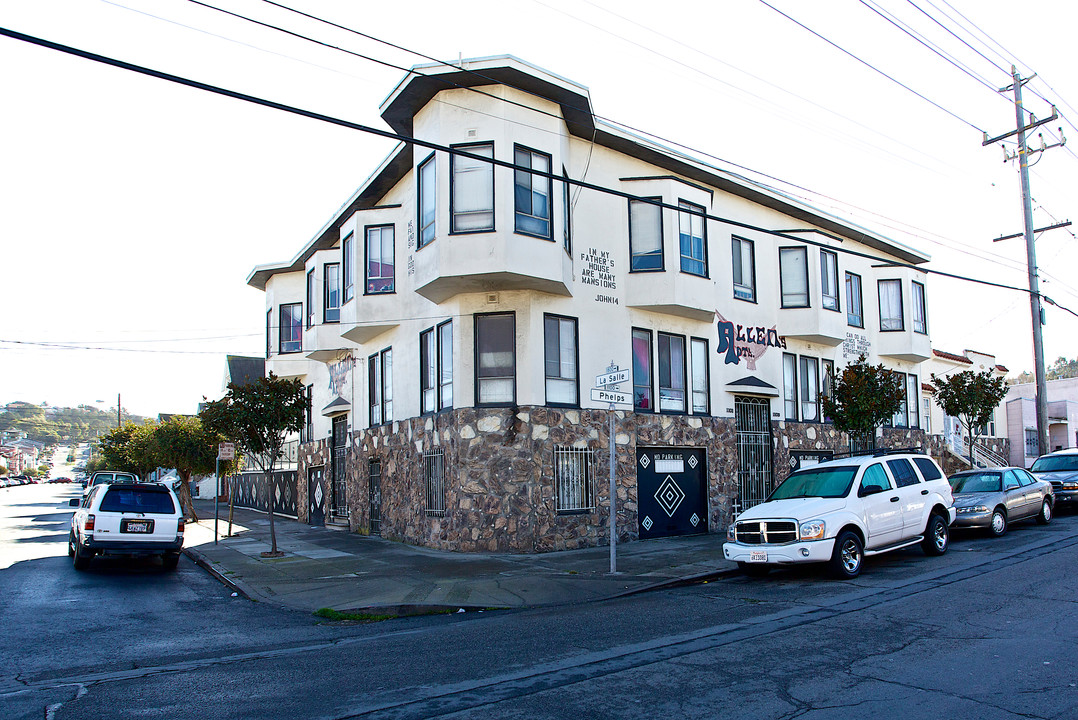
column 132, row 209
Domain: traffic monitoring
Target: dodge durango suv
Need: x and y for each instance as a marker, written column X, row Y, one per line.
column 840, row 511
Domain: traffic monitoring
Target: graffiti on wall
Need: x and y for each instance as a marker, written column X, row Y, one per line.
column 339, row 373
column 748, row 343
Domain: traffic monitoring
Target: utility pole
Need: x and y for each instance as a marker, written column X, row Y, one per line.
column 1035, row 308
column 117, row 410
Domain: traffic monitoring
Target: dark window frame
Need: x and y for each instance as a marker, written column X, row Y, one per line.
column 802, row 390
column 392, row 289
column 348, row 263
column 707, row 377
column 281, row 328
column 650, row 386
column 466, row 147
column 269, row 333
column 517, row 212
column 740, row 243
column 808, row 290
column 478, row 319
column 901, row 304
column 567, row 226
column 310, row 298
column 922, row 303
column 437, row 362
column 786, row 387
column 824, row 297
column 421, row 228
column 662, row 241
column 860, row 315
column 691, row 209
column 382, row 401
column 576, row 359
column 659, row 336
column 327, row 303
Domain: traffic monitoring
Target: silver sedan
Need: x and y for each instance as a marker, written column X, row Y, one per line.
column 993, row 498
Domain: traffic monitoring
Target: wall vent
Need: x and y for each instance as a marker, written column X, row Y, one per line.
column 472, row 133
column 492, row 298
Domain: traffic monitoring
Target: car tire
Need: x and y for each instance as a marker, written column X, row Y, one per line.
column 1045, row 515
column 848, row 556
column 170, row 560
column 998, row 527
column 81, row 560
column 754, row 569
column 937, row 536
column 71, row 544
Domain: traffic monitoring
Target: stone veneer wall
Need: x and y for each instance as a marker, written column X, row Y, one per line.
column 312, row 455
column 500, row 477
column 798, row 436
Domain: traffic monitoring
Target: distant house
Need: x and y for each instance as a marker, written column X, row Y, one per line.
column 1022, row 419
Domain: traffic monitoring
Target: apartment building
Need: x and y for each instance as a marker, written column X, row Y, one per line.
column 451, row 319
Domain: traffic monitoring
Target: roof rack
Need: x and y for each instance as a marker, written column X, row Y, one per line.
column 880, row 452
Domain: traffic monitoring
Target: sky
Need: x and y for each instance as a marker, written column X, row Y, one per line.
column 132, row 209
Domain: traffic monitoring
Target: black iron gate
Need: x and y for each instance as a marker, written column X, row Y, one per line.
column 672, row 484
column 374, row 478
column 752, row 418
column 338, row 508
column 316, row 498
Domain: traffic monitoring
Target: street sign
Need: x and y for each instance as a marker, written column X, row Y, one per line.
column 612, row 378
column 611, row 396
column 226, row 451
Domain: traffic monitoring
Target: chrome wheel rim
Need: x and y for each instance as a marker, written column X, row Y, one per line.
column 1046, row 512
column 851, row 556
column 939, row 535
column 999, row 523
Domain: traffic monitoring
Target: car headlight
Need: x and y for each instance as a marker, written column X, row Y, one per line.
column 1070, row 485
column 812, row 530
column 973, row 509
column 731, row 534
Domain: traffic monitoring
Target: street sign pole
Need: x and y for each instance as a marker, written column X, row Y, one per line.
column 217, row 496
column 613, row 500
column 607, row 391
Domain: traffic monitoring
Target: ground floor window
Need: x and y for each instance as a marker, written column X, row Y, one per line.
column 573, row 479
column 434, row 473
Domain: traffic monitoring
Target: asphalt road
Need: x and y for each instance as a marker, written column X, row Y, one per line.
column 987, row 631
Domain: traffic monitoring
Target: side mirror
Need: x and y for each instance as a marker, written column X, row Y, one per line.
column 865, row 491
column 74, row 502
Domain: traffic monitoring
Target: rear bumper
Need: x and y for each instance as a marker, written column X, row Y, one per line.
column 133, row 547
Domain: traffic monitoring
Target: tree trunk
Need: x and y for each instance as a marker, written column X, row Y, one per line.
column 269, row 507
column 186, row 500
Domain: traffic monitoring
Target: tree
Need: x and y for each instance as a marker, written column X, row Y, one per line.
column 185, row 444
column 862, row 397
column 257, row 416
column 971, row 397
column 130, row 448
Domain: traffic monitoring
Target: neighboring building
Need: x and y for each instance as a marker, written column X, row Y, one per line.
column 1022, row 419
column 449, row 320
column 948, row 433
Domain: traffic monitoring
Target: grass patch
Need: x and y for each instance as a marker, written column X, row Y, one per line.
column 336, row 615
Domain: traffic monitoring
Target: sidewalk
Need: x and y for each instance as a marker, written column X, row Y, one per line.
column 350, row 572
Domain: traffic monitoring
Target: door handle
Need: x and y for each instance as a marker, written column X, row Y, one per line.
column 924, row 492
column 894, row 499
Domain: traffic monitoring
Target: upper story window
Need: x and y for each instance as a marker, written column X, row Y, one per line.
column 891, row 305
column 436, row 368
column 920, row 318
column 642, row 399
column 348, row 260
column 496, row 359
column 291, row 328
column 331, row 293
column 560, row 360
column 829, row 279
column 693, row 238
column 854, row 313
column 700, row 376
column 532, row 194
column 645, row 235
column 671, row 373
column 380, row 382
column 310, row 298
column 379, row 264
column 427, row 200
column 793, row 276
column 471, row 193
column 566, row 202
column 744, row 262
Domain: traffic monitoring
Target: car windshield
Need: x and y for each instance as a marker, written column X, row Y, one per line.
column 138, row 500
column 816, row 482
column 1056, row 463
column 977, row 482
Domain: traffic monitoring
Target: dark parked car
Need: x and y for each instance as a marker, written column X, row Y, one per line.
column 993, row 498
column 1061, row 469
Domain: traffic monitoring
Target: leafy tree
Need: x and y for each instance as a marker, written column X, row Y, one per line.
column 862, row 397
column 257, row 416
column 130, row 448
column 185, row 444
column 971, row 397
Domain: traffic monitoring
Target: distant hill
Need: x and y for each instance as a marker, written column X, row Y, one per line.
column 55, row 424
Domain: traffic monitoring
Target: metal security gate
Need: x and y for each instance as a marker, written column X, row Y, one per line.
column 752, row 418
column 316, row 499
column 672, row 485
column 339, row 502
column 374, row 478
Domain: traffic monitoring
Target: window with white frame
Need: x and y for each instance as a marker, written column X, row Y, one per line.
column 793, row 276
column 645, row 236
column 379, row 263
column 671, row 373
column 829, row 279
column 310, row 298
column 532, row 194
column 891, row 305
column 744, row 262
column 560, row 360
column 810, row 389
column 573, row 479
column 380, row 383
column 291, row 328
column 789, row 386
column 427, row 200
column 641, row 342
column 495, row 352
column 331, row 294
column 693, row 238
column 471, row 193
column 434, row 474
column 855, row 316
column 436, row 368
column 348, row 260
column 920, row 318
column 700, row 376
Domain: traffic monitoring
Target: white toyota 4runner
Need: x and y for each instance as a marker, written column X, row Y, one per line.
column 840, row 511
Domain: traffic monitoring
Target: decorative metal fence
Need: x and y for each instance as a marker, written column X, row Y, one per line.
column 249, row 491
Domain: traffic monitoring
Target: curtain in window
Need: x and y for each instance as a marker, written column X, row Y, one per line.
column 743, row 269
column 698, row 350
column 495, row 341
column 560, row 356
column 854, row 315
column 473, row 190
column 793, row 272
column 919, row 323
column 671, row 373
column 642, row 370
column 891, row 305
column 645, row 230
column 810, row 390
column 829, row 279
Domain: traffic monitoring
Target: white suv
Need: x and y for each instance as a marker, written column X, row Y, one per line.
column 126, row 518
column 839, row 511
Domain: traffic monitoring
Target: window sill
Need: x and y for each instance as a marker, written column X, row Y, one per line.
column 549, row 238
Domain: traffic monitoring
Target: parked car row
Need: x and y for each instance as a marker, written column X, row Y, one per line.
column 841, row 511
column 15, row 480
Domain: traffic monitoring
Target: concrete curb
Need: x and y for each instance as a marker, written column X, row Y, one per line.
column 203, row 562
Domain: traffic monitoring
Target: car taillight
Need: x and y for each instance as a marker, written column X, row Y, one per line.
column 89, row 523
column 179, row 526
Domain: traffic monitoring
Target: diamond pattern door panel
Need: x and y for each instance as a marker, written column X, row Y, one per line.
column 672, row 485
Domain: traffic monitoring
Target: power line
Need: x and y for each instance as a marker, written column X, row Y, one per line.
column 946, row 29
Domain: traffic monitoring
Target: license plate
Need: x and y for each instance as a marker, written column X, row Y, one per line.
column 137, row 526
column 757, row 556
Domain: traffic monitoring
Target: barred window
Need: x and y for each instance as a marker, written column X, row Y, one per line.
column 573, row 479
column 434, row 473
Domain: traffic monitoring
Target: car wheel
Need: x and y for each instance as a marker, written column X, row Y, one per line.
column 937, row 535
column 1045, row 515
column 847, row 556
column 170, row 560
column 999, row 523
column 81, row 560
column 71, row 544
column 754, row 569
